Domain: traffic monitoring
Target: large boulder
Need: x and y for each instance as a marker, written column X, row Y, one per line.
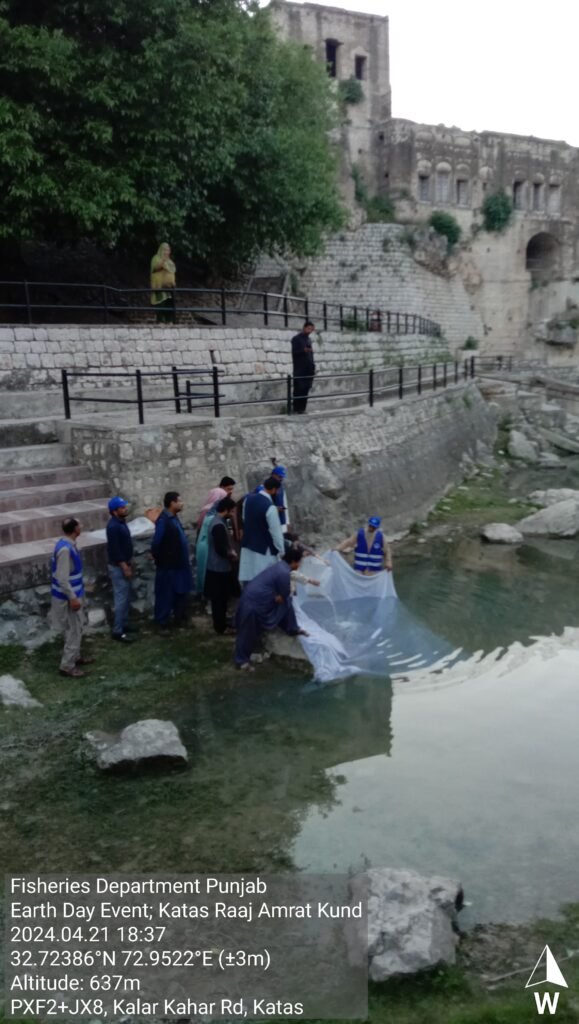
column 14, row 693
column 521, row 448
column 151, row 742
column 553, row 495
column 559, row 520
column 412, row 921
column 501, row 533
column 562, row 441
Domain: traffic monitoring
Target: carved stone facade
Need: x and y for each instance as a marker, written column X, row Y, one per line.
column 518, row 280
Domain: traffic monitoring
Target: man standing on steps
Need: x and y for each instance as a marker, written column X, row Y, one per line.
column 304, row 366
column 170, row 550
column 67, row 592
column 119, row 559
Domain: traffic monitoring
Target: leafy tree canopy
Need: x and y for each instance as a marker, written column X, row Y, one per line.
column 134, row 121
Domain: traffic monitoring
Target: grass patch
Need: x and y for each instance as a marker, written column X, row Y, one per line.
column 483, row 499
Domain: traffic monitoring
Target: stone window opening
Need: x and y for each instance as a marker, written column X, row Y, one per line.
column 461, row 192
column 360, row 68
column 332, row 46
column 442, row 186
column 554, row 198
column 519, row 195
column 424, row 188
column 542, row 256
column 538, row 201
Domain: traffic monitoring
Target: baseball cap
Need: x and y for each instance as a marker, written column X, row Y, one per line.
column 116, row 503
column 279, row 471
column 374, row 521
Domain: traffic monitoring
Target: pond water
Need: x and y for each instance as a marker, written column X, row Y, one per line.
column 471, row 772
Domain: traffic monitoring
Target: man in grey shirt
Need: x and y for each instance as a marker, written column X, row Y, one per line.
column 67, row 593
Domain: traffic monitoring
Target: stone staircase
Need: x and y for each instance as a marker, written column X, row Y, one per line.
column 38, row 488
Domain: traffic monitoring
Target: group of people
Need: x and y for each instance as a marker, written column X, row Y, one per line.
column 243, row 548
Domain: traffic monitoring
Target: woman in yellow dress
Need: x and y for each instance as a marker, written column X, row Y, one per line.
column 163, row 272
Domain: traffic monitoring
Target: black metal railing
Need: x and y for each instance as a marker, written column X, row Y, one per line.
column 38, row 301
column 194, row 390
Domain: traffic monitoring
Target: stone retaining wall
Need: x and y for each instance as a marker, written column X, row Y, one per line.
column 395, row 459
column 33, row 357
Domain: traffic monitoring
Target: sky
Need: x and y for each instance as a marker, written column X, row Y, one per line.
column 499, row 65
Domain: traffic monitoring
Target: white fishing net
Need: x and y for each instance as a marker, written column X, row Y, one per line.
column 357, row 625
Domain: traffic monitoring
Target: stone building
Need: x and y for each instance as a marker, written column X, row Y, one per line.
column 523, row 283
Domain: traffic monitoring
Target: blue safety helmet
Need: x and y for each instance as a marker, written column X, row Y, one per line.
column 374, row 521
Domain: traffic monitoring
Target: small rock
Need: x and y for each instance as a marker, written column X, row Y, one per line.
column 411, row 921
column 521, row 448
column 559, row 520
column 501, row 533
column 547, row 460
column 14, row 693
column 96, row 617
column 151, row 740
column 553, row 495
column 8, row 610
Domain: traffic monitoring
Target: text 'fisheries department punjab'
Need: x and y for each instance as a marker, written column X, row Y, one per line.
column 214, row 946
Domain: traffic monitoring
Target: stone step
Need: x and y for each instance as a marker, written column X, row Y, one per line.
column 32, row 524
column 28, row 564
column 18, row 405
column 39, row 496
column 26, row 431
column 35, row 456
column 41, row 477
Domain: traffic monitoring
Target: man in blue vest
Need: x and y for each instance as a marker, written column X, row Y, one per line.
column 263, row 542
column 279, row 473
column 67, row 592
column 371, row 553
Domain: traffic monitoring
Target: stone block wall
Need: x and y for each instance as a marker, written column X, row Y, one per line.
column 33, row 357
column 394, row 460
column 374, row 266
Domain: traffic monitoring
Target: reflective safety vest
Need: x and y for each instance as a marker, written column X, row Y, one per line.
column 372, row 559
column 75, row 575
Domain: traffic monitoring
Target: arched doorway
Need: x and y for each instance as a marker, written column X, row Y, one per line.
column 542, row 256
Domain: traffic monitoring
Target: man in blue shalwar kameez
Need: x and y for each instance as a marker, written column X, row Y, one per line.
column 170, row 550
column 266, row 604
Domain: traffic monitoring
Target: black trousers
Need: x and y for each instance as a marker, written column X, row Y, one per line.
column 166, row 311
column 218, row 590
column 302, row 388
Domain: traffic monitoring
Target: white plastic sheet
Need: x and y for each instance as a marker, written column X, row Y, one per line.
column 357, row 625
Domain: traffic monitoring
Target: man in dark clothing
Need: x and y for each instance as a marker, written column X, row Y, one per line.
column 221, row 558
column 266, row 604
column 170, row 550
column 119, row 558
column 304, row 366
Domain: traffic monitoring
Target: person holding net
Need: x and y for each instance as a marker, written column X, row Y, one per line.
column 371, row 552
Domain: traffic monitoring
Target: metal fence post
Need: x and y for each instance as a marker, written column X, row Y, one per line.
column 398, row 323
column 419, row 381
column 27, row 298
column 140, row 405
column 188, row 390
column 289, row 393
column 434, row 381
column 388, row 321
column 285, row 314
column 444, row 374
column 65, row 394
column 325, row 315
column 105, row 304
column 472, row 366
column 176, row 389
column 216, row 392
column 355, row 309
column 265, row 310
column 456, row 371
column 341, row 318
column 367, row 319
column 400, row 381
column 371, row 388
column 223, row 308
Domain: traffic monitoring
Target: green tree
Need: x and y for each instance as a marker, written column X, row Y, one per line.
column 129, row 122
column 497, row 209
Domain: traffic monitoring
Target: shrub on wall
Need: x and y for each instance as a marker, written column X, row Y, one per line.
column 497, row 209
column 350, row 91
column 445, row 224
column 379, row 209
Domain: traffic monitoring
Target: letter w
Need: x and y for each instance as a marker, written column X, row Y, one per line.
column 549, row 999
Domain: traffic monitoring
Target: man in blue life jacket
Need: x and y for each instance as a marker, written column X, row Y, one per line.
column 371, row 553
column 67, row 592
column 262, row 544
column 119, row 559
